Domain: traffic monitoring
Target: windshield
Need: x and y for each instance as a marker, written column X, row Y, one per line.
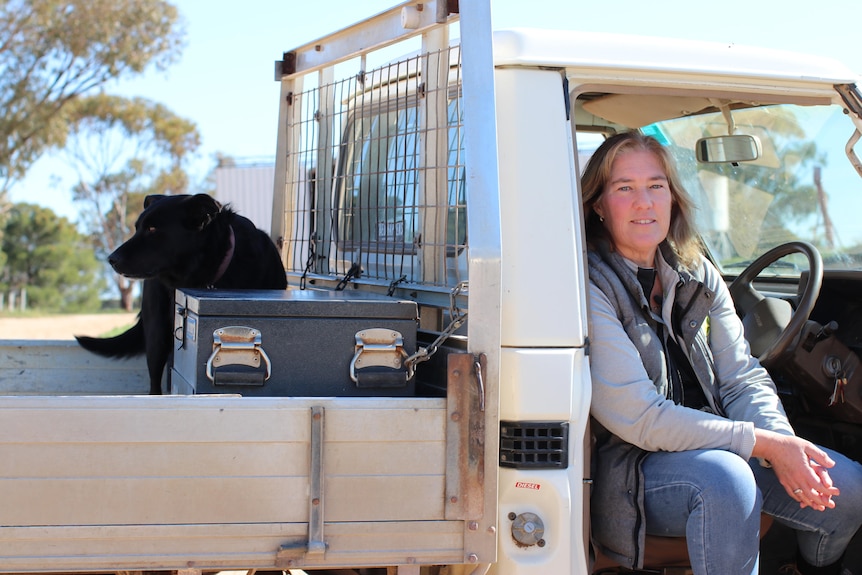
column 803, row 187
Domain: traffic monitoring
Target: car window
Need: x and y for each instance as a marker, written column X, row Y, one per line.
column 383, row 218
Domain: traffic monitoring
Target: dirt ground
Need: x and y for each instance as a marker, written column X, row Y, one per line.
column 62, row 326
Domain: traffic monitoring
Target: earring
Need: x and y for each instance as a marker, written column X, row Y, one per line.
column 601, row 219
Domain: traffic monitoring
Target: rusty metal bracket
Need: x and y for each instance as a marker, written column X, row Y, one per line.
column 465, row 437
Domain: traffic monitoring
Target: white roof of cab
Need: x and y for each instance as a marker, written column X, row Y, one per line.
column 568, row 49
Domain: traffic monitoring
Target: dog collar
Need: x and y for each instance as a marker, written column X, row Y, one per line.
column 226, row 261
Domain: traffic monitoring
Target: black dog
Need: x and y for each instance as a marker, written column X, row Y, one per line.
column 184, row 242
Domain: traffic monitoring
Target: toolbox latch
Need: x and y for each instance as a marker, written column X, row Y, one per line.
column 238, row 345
column 378, row 360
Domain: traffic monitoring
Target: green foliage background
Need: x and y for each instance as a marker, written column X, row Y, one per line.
column 46, row 255
column 56, row 59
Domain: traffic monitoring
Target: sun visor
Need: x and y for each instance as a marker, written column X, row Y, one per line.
column 638, row 110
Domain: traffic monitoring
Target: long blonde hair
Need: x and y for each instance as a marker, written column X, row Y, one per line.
column 682, row 235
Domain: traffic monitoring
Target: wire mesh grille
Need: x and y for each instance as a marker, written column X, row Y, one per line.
column 376, row 175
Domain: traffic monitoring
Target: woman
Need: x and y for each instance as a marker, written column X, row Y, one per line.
column 691, row 437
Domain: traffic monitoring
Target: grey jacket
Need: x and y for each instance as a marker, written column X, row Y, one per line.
column 631, row 413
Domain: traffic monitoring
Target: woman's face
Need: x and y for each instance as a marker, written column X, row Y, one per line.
column 636, row 205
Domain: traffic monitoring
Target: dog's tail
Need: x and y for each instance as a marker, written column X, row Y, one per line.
column 128, row 344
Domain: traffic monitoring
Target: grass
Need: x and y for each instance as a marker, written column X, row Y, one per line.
column 34, row 313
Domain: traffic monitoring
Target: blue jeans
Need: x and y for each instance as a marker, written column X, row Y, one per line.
column 714, row 499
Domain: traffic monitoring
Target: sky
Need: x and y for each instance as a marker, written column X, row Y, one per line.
column 224, row 79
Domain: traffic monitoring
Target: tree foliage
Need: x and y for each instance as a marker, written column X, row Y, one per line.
column 794, row 199
column 51, row 260
column 124, row 149
column 54, row 51
column 781, row 174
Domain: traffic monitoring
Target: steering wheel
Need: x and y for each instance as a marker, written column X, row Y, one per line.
column 771, row 325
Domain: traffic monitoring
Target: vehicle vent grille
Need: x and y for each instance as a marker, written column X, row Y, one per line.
column 534, row 445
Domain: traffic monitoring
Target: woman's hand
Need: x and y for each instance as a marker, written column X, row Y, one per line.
column 801, row 467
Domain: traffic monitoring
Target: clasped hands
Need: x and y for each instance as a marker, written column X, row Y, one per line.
column 801, row 467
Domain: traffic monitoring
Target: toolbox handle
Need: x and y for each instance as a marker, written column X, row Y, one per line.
column 378, row 360
column 237, row 345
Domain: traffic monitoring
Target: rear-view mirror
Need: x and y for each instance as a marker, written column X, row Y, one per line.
column 728, row 149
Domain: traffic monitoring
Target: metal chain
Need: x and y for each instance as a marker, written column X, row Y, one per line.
column 309, row 262
column 458, row 317
column 394, row 283
column 355, row 271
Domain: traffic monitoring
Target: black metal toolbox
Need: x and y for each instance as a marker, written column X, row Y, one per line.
column 292, row 343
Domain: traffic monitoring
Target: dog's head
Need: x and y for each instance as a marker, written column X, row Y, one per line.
column 169, row 234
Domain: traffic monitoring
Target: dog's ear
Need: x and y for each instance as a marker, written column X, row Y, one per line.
column 149, row 200
column 202, row 210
